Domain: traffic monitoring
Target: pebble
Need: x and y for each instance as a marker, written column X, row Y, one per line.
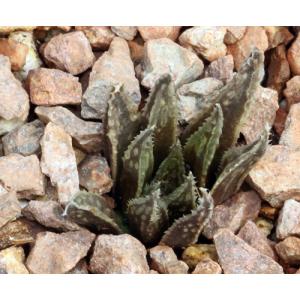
column 292, row 91
column 207, row 266
column 207, row 41
column 289, row 250
column 58, row 161
column 237, row 257
column 234, row 34
column 53, row 87
column 12, row 261
column 158, row 32
column 136, row 50
column 10, row 208
column 278, row 35
column 118, row 254
column 125, row 32
column 293, row 56
column 264, row 225
column 55, row 253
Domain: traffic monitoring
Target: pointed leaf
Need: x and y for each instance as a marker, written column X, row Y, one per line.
column 121, row 124
column 236, row 165
column 161, row 112
column 137, row 165
column 91, row 210
column 186, row 230
column 148, row 217
column 201, row 146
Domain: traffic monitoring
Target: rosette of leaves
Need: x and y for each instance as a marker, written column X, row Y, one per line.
column 161, row 176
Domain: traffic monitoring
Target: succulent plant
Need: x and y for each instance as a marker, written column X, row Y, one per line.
column 161, row 173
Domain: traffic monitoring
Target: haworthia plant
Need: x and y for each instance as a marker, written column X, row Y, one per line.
column 160, row 175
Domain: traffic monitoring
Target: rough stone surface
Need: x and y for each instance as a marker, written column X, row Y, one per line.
column 14, row 104
column 278, row 70
column 255, row 36
column 59, row 162
column 121, row 254
column 278, row 35
column 293, row 56
column 16, row 52
column 237, row 257
column 261, row 113
column 48, row 214
column 86, row 134
column 94, row 174
column 193, row 254
column 12, row 261
column 207, row 266
column 25, row 139
column 264, row 225
column 22, row 174
column 276, row 176
column 163, row 56
column 234, row 34
column 55, row 253
column 33, row 60
column 290, row 137
column 53, row 87
column 280, row 120
column 99, row 37
column 164, row 260
column 80, row 268
column 256, row 239
column 292, row 91
column 288, row 222
column 70, row 52
column 112, row 69
column 205, row 40
column 234, row 213
column 126, row 32
column 8, row 29
column 136, row 49
column 289, row 250
column 10, row 208
column 221, row 68
column 158, row 32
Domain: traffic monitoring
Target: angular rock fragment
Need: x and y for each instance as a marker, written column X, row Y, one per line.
column 125, row 32
column 205, row 40
column 94, row 174
column 193, row 254
column 14, row 104
column 289, row 250
column 112, row 69
column 293, row 56
column 164, row 260
column 268, row 211
column 255, row 36
column 12, row 261
column 70, row 52
column 288, row 222
column 221, row 68
column 25, row 139
column 118, row 254
column 136, row 49
column 264, row 225
column 158, row 32
column 22, row 174
column 99, row 37
column 280, row 119
column 163, row 56
column 290, row 137
column 8, row 29
column 15, row 51
column 278, row 35
column 80, row 268
column 33, row 60
column 59, row 162
column 278, row 69
column 10, row 208
column 292, row 91
column 55, row 253
column 207, row 266
column 256, row 239
column 237, row 257
column 53, row 87
column 48, row 214
column 276, row 176
column 233, row 213
column 87, row 135
column 233, row 34
column 261, row 113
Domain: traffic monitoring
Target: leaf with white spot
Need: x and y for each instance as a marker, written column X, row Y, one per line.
column 201, row 146
column 138, row 163
column 148, row 217
column 236, row 164
column 92, row 211
column 186, row 230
